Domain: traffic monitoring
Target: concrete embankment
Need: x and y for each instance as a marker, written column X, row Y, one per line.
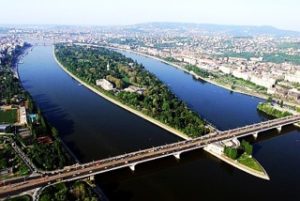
column 178, row 133
column 236, row 164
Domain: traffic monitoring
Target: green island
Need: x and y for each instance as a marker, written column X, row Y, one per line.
column 126, row 81
column 78, row 190
column 270, row 110
column 243, row 155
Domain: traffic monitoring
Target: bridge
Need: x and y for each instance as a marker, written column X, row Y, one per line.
column 80, row 171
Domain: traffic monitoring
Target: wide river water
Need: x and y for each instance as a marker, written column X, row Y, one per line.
column 94, row 128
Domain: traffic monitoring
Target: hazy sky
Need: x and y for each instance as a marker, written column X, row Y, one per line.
column 280, row 13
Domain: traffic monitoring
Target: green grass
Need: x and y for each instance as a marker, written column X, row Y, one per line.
column 8, row 116
column 250, row 162
column 270, row 110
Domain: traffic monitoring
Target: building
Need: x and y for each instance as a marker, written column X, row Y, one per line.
column 281, row 91
column 23, row 116
column 217, row 148
column 292, row 77
column 225, row 69
column 190, row 60
column 240, row 74
column 24, row 132
column 4, row 128
column 294, row 94
column 134, row 89
column 106, row 85
column 263, row 81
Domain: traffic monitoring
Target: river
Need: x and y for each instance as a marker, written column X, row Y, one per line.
column 94, row 128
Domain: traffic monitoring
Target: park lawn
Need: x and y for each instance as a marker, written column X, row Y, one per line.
column 250, row 162
column 8, row 116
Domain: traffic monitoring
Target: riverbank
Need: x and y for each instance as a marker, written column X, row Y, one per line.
column 263, row 175
column 56, row 147
column 111, row 99
column 125, row 107
column 183, row 69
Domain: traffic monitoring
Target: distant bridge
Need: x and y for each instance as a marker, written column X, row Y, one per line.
column 79, row 171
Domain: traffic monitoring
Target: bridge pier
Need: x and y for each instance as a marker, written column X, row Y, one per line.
column 132, row 167
column 177, row 155
column 92, row 178
column 279, row 128
column 255, row 135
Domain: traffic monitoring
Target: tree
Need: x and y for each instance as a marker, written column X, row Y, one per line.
column 281, row 103
column 270, row 99
column 231, row 152
column 247, row 147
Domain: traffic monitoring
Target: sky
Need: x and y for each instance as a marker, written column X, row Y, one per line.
column 283, row 14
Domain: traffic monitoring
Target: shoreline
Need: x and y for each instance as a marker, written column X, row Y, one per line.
column 182, row 69
column 65, row 148
column 262, row 175
column 156, row 122
column 123, row 106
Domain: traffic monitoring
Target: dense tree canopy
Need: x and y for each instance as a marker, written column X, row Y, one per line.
column 157, row 101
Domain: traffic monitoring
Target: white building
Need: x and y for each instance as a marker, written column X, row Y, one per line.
column 225, row 69
column 190, row 60
column 217, row 148
column 106, row 85
column 22, row 115
column 240, row 74
column 134, row 89
column 263, row 81
column 292, row 77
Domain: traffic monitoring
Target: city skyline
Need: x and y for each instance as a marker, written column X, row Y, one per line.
column 90, row 12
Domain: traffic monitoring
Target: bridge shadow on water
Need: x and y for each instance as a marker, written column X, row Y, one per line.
column 268, row 135
column 57, row 117
column 198, row 160
column 111, row 180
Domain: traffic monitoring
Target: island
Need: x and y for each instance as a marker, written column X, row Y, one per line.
column 127, row 84
column 238, row 155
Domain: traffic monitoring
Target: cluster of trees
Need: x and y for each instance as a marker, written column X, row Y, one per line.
column 227, row 79
column 281, row 58
column 270, row 57
column 235, row 153
column 69, row 191
column 157, row 101
column 271, row 111
column 8, row 159
column 198, row 71
column 11, row 91
column 171, row 59
column 38, row 152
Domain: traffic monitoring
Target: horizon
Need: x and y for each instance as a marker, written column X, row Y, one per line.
column 280, row 14
column 135, row 24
